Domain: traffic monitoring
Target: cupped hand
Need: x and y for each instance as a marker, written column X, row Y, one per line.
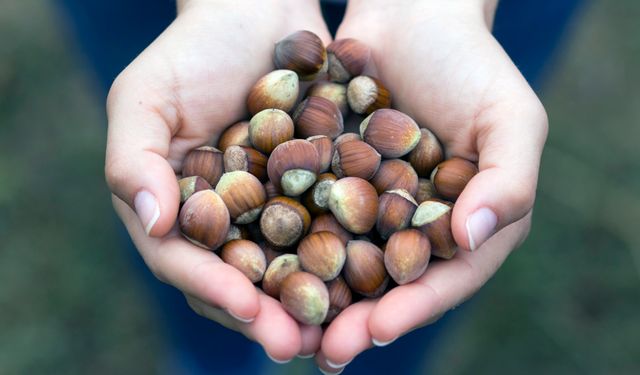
column 445, row 69
column 181, row 93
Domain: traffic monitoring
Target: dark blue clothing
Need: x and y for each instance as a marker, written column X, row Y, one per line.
column 111, row 33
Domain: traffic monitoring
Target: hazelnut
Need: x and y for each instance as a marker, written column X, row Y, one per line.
column 235, row 135
column 366, row 94
column 190, row 185
column 427, row 153
column 237, row 232
column 406, row 255
column 322, row 254
column 284, row 222
column 328, row 222
column 392, row 133
column 317, row 116
column 247, row 159
column 355, row 159
column 433, row 218
column 270, row 253
column 206, row 162
column 451, row 176
column 364, row 269
column 278, row 89
column 269, row 128
column 271, row 190
column 316, row 199
column 395, row 174
column 354, row 202
column 204, row 219
column 303, row 52
column 245, row 256
column 293, row 166
column 305, row 297
column 335, row 92
column 426, row 190
column 347, row 58
column 345, row 137
column 395, row 210
column 324, row 147
column 279, row 268
column 243, row 194
column 339, row 297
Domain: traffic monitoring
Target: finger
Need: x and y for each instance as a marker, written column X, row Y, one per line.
column 346, row 337
column 311, row 337
column 141, row 123
column 273, row 328
column 443, row 286
column 510, row 139
column 193, row 270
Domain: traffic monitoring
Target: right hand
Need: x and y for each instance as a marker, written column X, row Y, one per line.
column 181, row 93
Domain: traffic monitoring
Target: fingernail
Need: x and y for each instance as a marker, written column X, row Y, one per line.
column 337, row 365
column 306, row 356
column 240, row 319
column 382, row 343
column 325, row 372
column 278, row 361
column 148, row 209
column 480, row 226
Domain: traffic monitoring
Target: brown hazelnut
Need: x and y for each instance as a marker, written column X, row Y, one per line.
column 279, row 268
column 269, row 128
column 354, row 202
column 395, row 210
column 305, row 297
column 303, row 52
column 270, row 253
column 451, row 176
column 355, row 159
column 235, row 135
column 346, row 137
column 325, row 149
column 243, row 194
column 206, row 162
column 271, row 190
column 433, row 218
column 322, row 254
column 426, row 190
column 366, row 94
column 364, row 269
column 335, row 92
column 395, row 174
column 278, row 89
column 392, row 133
column 427, row 153
column 316, row 199
column 284, row 222
column 245, row 256
column 190, row 185
column 247, row 159
column 339, row 297
column 293, row 166
column 204, row 219
column 317, row 116
column 328, row 222
column 237, row 232
column 406, row 255
column 347, row 58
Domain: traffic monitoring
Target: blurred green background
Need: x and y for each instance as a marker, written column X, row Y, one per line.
column 568, row 301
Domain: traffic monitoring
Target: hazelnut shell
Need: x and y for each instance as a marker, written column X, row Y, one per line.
column 247, row 257
column 305, row 297
column 206, row 162
column 406, row 255
column 245, row 158
column 347, row 58
column 364, row 269
column 328, row 222
column 427, row 153
column 367, row 94
column 355, row 159
column 302, row 52
column 433, row 218
column 278, row 89
column 279, row 268
column 269, row 128
column 395, row 174
column 243, row 194
column 204, row 219
column 235, row 135
column 284, row 222
column 354, row 202
column 340, row 297
column 392, row 133
column 451, row 176
column 325, row 149
column 395, row 210
column 317, row 116
column 335, row 92
column 293, row 166
column 322, row 254
column 190, row 185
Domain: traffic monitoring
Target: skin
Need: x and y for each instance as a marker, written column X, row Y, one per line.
column 445, row 70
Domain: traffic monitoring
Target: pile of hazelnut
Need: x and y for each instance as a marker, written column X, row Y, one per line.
column 317, row 216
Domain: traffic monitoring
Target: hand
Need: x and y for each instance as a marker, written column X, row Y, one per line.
column 180, row 93
column 445, row 69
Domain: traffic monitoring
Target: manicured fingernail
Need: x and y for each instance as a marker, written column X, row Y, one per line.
column 278, row 361
column 240, row 319
column 337, row 365
column 480, row 226
column 325, row 372
column 382, row 343
column 305, row 356
column 147, row 208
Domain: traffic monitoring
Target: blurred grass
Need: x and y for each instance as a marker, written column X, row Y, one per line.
column 566, row 302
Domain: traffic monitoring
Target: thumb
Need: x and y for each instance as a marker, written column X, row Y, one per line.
column 136, row 166
column 510, row 139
